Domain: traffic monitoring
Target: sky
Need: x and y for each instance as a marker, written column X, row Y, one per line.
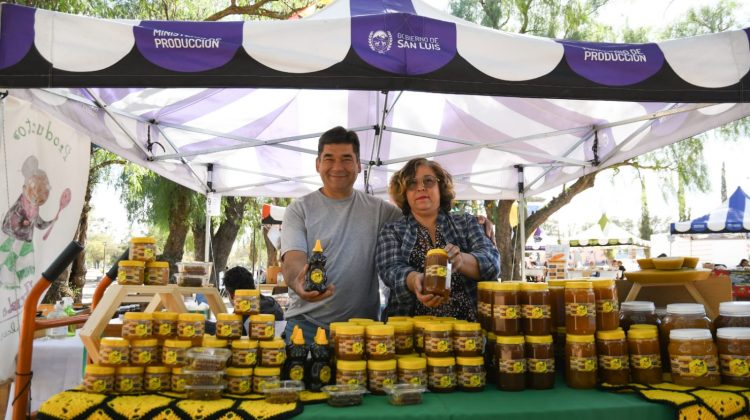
column 617, row 197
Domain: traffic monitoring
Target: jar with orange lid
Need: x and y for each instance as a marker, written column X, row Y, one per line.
column 130, row 272
column 190, row 326
column 557, row 302
column 351, row 372
column 412, row 370
column 580, row 308
column 490, row 360
column 381, row 374
column 540, row 362
column 178, row 380
column 272, row 353
column 157, row 273
column 438, row 340
column 441, row 374
column 607, row 305
column 733, row 315
column 614, row 364
column 174, row 352
column 536, row 309
column 511, row 362
column 264, row 377
column 129, row 379
column 403, row 334
column 144, row 352
column 506, row 308
column 470, row 374
column 142, row 249
column 645, row 356
column 239, row 380
column 244, row 353
column 380, row 342
column 580, row 366
column 114, row 351
column 694, row 358
column 680, row 316
column 156, row 378
column 734, row 355
column 436, row 280
column 228, row 326
column 262, row 327
column 638, row 312
column 467, row 339
column 99, row 379
column 246, row 301
column 350, row 342
column 137, row 325
column 164, row 324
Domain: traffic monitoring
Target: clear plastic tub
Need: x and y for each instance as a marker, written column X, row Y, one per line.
column 207, row 358
column 283, row 392
column 345, row 395
column 195, row 268
column 192, row 280
column 203, row 392
column 203, row 377
column 405, row 394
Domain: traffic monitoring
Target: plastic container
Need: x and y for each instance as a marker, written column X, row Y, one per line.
column 467, row 339
column 244, row 353
column 246, row 301
column 195, row 268
column 540, row 361
column 438, row 340
column 380, row 374
column 405, row 394
column 380, row 342
column 228, row 326
column 203, row 377
column 607, row 305
column 156, row 379
column 284, row 392
column 164, row 324
column 403, row 333
column 114, row 351
column 142, row 249
column 265, row 377
column 239, row 380
column 733, row 314
column 157, row 273
column 344, row 395
column 441, row 374
column 192, row 280
column 580, row 308
column 262, row 327
column 207, row 358
column 99, row 379
column 580, row 368
column 351, row 372
column 436, row 280
column 130, row 272
column 137, row 325
column 470, row 374
column 638, row 312
column 536, row 309
column 350, row 342
column 190, row 326
column 144, row 352
column 412, row 370
column 204, row 392
column 272, row 353
column 129, row 379
column 734, row 355
column 694, row 358
column 174, row 352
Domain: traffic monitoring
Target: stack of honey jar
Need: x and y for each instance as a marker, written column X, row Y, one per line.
column 142, row 267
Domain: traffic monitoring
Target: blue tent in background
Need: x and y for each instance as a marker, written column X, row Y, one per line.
column 733, row 216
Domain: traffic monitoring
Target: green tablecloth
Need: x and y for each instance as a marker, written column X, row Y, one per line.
column 558, row 403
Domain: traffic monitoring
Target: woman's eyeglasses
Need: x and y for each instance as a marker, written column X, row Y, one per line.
column 427, row 181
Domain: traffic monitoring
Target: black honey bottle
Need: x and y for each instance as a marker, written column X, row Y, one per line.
column 316, row 279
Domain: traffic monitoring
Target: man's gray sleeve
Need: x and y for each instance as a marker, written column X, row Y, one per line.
column 293, row 231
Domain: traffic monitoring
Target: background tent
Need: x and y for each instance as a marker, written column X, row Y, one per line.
column 606, row 233
column 733, row 216
column 193, row 100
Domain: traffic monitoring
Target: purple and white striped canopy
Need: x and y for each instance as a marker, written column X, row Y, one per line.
column 733, row 216
column 241, row 104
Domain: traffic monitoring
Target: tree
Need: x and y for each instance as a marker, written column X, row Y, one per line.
column 723, row 182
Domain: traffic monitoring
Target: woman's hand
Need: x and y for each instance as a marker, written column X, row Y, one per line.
column 414, row 283
column 455, row 256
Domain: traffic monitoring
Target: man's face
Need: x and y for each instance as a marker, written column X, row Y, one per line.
column 338, row 167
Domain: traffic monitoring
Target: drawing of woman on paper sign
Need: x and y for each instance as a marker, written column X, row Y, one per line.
column 16, row 239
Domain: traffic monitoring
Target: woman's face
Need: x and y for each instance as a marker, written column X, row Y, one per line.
column 423, row 192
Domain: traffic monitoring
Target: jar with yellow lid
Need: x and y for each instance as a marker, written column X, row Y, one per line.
column 350, row 342
column 129, row 379
column 137, row 325
column 580, row 308
column 246, row 301
column 144, row 352
column 694, row 358
column 412, row 370
column 612, row 350
column 130, row 272
column 441, row 374
column 272, row 353
column 239, row 380
column 557, row 303
column 436, row 281
column 506, row 308
column 607, row 305
column 332, row 334
column 264, row 377
column 157, row 273
column 511, row 362
column 470, row 374
column 174, row 352
column 536, row 309
column 262, row 327
column 351, row 372
column 157, row 378
column 213, row 342
column 191, row 326
column 467, row 339
column 734, row 355
column 114, row 351
column 403, row 334
column 489, row 357
column 484, row 303
column 228, row 326
column 380, row 342
column 244, row 353
column 438, row 340
column 580, row 368
column 99, row 379
column 142, row 249
column 680, row 316
column 381, row 374
column 645, row 356
column 164, row 324
column 178, row 380
column 540, row 361
column 362, row 321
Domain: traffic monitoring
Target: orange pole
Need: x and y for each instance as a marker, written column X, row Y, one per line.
column 99, row 291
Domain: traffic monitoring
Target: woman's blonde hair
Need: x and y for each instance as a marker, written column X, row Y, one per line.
column 399, row 181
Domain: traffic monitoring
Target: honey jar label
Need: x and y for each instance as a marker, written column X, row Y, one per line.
column 148, row 253
column 250, row 359
column 735, row 365
column 507, row 311
column 645, row 361
column 268, row 331
column 178, row 385
column 188, row 331
column 325, row 374
column 357, row 347
column 441, row 381
column 297, row 373
column 125, row 385
column 420, row 342
column 170, row 357
column 483, row 308
column 242, row 305
column 99, row 385
column 512, row 366
column 153, row 384
column 224, row 331
column 141, row 330
column 244, row 386
column 115, row 357
column 536, row 311
column 580, row 309
column 607, row 306
column 541, row 365
column 695, row 366
column 613, row 362
column 165, row 329
column 416, row 380
column 353, row 381
column 316, row 276
column 583, row 364
column 121, row 276
column 280, row 357
column 144, row 357
column 469, row 344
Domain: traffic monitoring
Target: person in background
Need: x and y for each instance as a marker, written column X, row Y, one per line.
column 239, row 278
column 621, row 267
column 743, row 263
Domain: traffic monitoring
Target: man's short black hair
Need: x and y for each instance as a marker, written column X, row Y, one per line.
column 238, row 278
column 339, row 135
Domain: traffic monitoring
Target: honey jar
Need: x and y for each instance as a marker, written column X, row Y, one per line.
column 607, row 305
column 438, row 340
column 694, row 358
column 174, row 352
column 228, row 326
column 404, row 336
column 381, row 374
column 645, row 356
column 511, row 362
column 470, row 374
column 352, row 372
column 380, row 342
column 467, row 339
column 536, row 309
column 239, row 380
column 540, row 361
column 156, row 379
column 130, row 272
column 272, row 353
column 114, row 351
column 157, row 273
column 557, row 303
column 614, row 364
column 143, row 352
column 178, row 380
column 484, row 304
column 99, row 379
column 638, row 312
column 265, row 376
column 350, row 342
column 580, row 308
column 419, row 334
column 412, row 370
column 164, row 324
column 244, row 353
column 129, row 379
column 190, row 326
column 580, row 367
column 680, row 316
column 734, row 355
column 733, row 314
column 137, row 325
column 436, row 280
column 441, row 374
column 506, row 308
column 142, row 249
column 262, row 327
column 211, row 341
column 246, row 302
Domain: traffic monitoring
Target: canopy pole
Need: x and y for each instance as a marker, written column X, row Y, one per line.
column 522, row 221
column 209, row 182
column 375, row 153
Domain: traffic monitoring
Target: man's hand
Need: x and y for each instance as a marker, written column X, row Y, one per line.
column 312, row 296
column 414, row 283
column 455, row 256
column 294, row 266
column 489, row 228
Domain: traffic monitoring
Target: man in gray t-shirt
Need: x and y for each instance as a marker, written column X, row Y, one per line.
column 347, row 223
